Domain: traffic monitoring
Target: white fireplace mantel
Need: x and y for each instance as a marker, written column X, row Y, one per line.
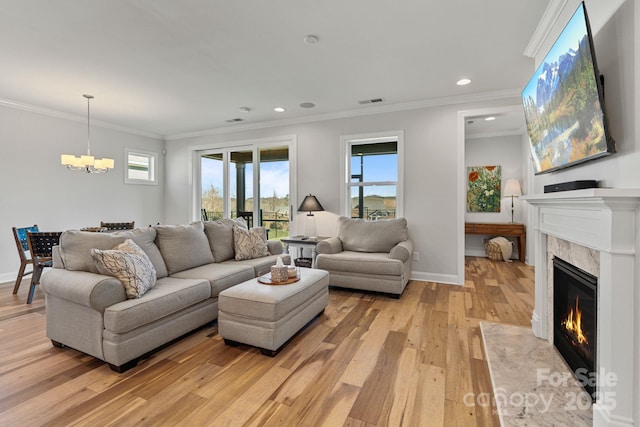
column 604, row 220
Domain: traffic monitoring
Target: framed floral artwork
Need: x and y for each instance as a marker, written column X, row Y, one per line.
column 483, row 188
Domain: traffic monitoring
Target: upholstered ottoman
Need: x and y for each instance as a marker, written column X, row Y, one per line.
column 267, row 316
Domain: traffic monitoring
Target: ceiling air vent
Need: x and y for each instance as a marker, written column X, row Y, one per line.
column 370, row 101
column 237, row 119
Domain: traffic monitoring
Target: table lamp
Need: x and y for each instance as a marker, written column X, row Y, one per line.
column 512, row 188
column 310, row 204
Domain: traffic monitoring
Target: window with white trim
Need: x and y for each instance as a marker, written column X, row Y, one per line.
column 140, row 167
column 373, row 171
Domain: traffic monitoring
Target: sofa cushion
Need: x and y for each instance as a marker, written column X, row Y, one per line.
column 170, row 295
column 75, row 247
column 220, row 236
column 220, row 276
column 183, row 246
column 361, row 262
column 129, row 264
column 371, row 236
column 249, row 244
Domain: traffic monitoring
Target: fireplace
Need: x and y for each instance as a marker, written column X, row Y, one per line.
column 605, row 221
column 575, row 299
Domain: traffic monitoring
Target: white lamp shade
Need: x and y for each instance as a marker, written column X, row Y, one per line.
column 67, row 159
column 87, row 160
column 108, row 163
column 512, row 188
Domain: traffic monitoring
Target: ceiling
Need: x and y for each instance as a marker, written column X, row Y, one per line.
column 167, row 67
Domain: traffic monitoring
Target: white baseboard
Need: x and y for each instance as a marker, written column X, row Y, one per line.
column 9, row 277
column 448, row 279
column 603, row 417
column 475, row 252
column 539, row 330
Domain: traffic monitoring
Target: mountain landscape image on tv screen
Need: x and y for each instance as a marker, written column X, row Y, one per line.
column 562, row 102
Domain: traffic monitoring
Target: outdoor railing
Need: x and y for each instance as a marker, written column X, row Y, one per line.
column 276, row 223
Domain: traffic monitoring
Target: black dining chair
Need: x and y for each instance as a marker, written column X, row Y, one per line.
column 115, row 226
column 20, row 236
column 41, row 245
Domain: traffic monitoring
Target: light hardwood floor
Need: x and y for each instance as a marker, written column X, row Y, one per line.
column 367, row 361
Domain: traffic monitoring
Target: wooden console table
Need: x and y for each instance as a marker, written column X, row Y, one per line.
column 500, row 229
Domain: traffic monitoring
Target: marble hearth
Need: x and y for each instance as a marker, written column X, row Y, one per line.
column 596, row 230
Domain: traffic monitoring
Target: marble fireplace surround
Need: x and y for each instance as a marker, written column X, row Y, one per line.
column 598, row 229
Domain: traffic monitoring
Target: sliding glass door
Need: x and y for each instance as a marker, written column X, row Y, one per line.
column 273, row 185
column 241, row 185
column 252, row 182
column 212, row 186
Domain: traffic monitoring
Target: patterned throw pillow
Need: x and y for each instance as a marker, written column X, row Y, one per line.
column 249, row 244
column 128, row 263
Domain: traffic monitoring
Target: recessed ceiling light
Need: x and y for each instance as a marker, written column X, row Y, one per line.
column 307, row 105
column 245, row 109
column 490, row 118
column 311, row 39
column 279, row 109
column 463, row 82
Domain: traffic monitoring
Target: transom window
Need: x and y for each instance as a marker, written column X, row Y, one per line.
column 141, row 167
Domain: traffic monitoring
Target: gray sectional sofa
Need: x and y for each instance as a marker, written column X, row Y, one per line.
column 368, row 255
column 91, row 312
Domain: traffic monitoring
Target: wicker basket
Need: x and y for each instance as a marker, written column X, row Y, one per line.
column 493, row 250
column 303, row 262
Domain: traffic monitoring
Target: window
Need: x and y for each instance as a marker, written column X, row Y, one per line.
column 373, row 171
column 252, row 181
column 141, row 167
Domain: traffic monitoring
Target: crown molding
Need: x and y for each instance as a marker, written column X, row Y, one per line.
column 372, row 110
column 548, row 20
column 515, row 132
column 389, row 108
column 74, row 118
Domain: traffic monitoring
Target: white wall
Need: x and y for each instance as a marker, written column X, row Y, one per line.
column 36, row 189
column 506, row 152
column 616, row 26
column 616, row 56
column 431, row 175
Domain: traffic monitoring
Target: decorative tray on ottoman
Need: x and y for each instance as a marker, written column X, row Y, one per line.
column 267, row 280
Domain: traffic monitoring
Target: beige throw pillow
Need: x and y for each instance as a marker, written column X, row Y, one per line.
column 128, row 263
column 249, row 244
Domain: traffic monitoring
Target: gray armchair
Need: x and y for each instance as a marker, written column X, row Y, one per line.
column 368, row 255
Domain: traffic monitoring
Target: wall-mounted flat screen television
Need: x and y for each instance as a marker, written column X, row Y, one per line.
column 563, row 102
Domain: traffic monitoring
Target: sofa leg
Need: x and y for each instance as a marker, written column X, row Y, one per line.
column 57, row 344
column 124, row 367
column 270, row 353
column 232, row 343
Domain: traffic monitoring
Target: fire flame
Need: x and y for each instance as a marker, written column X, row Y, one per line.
column 574, row 324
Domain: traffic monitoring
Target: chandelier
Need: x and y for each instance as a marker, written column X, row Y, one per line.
column 87, row 163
